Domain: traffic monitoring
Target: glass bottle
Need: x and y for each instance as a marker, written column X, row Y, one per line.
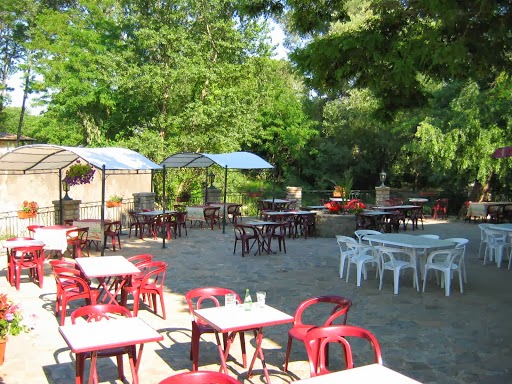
column 247, row 300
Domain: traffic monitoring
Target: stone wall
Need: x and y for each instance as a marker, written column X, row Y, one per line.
column 328, row 225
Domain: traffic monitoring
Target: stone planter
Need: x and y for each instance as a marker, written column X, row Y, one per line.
column 328, row 225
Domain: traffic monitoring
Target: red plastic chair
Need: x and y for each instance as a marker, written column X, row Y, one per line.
column 181, row 219
column 71, row 286
column 139, row 259
column 318, row 339
column 200, row 377
column 440, row 208
column 151, row 284
column 339, row 307
column 78, row 239
column 10, row 263
column 195, row 299
column 244, row 234
column 211, row 215
column 31, row 229
column 31, row 258
column 113, row 230
column 97, row 313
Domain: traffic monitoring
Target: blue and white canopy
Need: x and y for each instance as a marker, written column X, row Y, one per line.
column 45, row 157
column 232, row 160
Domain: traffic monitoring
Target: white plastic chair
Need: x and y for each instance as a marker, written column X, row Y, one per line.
column 461, row 243
column 397, row 259
column 496, row 242
column 363, row 254
column 483, row 238
column 360, row 233
column 445, row 261
column 345, row 251
column 510, row 254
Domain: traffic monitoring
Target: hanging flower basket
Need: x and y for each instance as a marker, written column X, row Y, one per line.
column 26, row 215
column 254, row 194
column 111, row 204
column 79, row 173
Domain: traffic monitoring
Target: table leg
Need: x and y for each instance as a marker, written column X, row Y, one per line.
column 110, row 298
column 134, row 362
column 258, row 334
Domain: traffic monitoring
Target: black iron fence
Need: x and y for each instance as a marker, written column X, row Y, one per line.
column 12, row 226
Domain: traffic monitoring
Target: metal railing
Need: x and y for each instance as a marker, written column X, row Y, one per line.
column 12, row 226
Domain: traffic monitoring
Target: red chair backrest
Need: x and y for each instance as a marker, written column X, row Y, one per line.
column 197, row 296
column 99, row 312
column 200, row 377
column 142, row 258
column 340, row 307
column 317, row 339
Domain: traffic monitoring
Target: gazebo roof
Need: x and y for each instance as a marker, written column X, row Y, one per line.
column 45, row 157
column 232, row 160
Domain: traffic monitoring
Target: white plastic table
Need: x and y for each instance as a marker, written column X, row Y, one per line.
column 96, row 336
column 104, row 268
column 232, row 321
column 411, row 242
column 54, row 237
column 373, row 373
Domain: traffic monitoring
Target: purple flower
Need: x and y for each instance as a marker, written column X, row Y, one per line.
column 9, row 317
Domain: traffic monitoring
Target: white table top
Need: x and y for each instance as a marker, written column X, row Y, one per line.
column 375, row 213
column 410, row 241
column 53, row 236
column 373, row 373
column 95, row 336
column 103, row 266
column 155, row 213
column 418, row 200
column 21, row 243
column 277, row 201
column 501, row 227
column 237, row 319
column 395, row 207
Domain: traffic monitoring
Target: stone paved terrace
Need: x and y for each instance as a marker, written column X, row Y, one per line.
column 429, row 337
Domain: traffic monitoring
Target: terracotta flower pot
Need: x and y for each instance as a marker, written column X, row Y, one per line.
column 111, row 204
column 3, row 343
column 254, row 194
column 26, row 215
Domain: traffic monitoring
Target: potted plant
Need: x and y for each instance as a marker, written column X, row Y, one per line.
column 11, row 322
column 114, row 201
column 28, row 210
column 343, row 188
column 183, row 197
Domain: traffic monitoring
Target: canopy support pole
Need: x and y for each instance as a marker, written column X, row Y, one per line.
column 225, row 195
column 61, row 207
column 206, row 187
column 103, row 192
column 163, row 205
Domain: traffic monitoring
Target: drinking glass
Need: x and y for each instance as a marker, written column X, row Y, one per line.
column 260, row 297
column 230, row 301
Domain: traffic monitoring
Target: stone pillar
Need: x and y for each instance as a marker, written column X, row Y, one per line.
column 214, row 195
column 381, row 195
column 71, row 209
column 294, row 193
column 143, row 200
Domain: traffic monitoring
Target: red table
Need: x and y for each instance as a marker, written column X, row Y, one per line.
column 105, row 268
column 96, row 336
column 232, row 321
